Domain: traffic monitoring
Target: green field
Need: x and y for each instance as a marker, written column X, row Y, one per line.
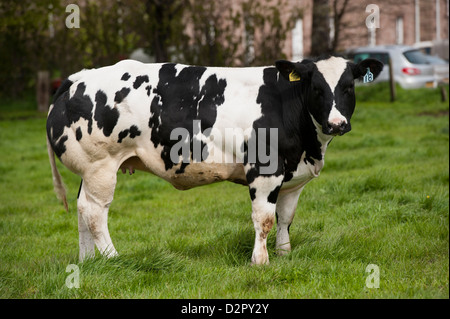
column 382, row 198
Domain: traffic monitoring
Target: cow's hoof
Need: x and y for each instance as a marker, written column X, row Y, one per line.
column 283, row 249
column 283, row 252
column 260, row 260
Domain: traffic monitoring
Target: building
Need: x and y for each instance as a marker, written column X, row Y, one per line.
column 391, row 22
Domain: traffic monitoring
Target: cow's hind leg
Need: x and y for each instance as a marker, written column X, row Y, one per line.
column 86, row 241
column 286, row 205
column 96, row 195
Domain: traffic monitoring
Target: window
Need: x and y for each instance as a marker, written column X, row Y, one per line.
column 383, row 57
column 297, row 41
column 372, row 36
column 399, row 30
column 249, row 40
column 415, row 57
column 332, row 31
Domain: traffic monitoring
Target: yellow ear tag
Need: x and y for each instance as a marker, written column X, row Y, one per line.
column 293, row 77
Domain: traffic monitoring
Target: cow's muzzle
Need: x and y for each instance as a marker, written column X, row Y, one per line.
column 337, row 128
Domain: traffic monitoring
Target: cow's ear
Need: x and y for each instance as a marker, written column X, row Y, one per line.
column 286, row 69
column 373, row 65
column 293, row 72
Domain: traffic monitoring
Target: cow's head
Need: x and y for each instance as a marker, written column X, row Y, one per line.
column 328, row 84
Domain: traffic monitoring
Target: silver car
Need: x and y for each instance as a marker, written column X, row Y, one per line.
column 411, row 67
column 440, row 66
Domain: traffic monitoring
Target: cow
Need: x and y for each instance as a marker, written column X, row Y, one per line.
column 171, row 120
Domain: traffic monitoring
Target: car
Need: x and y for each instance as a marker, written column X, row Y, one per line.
column 440, row 68
column 411, row 67
column 438, row 48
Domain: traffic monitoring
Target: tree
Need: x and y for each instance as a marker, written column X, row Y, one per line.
column 211, row 38
column 320, row 39
column 337, row 13
column 163, row 26
column 250, row 33
column 24, row 43
column 34, row 35
column 268, row 27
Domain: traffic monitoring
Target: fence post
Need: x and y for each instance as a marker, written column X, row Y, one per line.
column 443, row 92
column 392, row 81
column 43, row 90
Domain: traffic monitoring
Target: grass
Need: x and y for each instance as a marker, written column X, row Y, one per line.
column 382, row 198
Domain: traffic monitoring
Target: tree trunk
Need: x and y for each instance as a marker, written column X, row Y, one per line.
column 161, row 31
column 320, row 41
column 43, row 90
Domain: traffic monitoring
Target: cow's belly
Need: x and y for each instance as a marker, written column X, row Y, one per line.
column 195, row 174
column 198, row 174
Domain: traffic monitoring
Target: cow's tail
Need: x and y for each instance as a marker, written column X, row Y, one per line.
column 58, row 184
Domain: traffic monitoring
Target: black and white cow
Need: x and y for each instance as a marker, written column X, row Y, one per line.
column 133, row 116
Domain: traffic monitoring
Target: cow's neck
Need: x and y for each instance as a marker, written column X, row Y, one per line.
column 314, row 141
column 306, row 142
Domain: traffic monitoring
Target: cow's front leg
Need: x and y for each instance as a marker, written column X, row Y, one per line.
column 263, row 192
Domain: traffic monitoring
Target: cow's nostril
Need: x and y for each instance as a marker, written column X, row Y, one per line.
column 331, row 127
column 334, row 128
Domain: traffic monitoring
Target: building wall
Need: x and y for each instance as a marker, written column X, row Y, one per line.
column 354, row 32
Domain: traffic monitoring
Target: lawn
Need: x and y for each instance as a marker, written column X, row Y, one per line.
column 382, row 199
